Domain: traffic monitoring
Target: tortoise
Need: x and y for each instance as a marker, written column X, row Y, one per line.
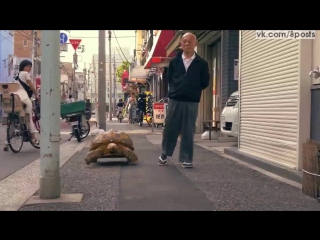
column 111, row 144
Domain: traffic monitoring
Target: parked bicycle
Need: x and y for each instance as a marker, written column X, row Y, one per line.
column 77, row 114
column 78, row 130
column 36, row 113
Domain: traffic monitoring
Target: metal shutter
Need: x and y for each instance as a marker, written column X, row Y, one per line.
column 268, row 98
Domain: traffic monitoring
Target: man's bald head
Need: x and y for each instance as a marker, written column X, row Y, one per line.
column 188, row 42
column 189, row 35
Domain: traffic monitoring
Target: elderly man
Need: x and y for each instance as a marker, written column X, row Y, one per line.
column 188, row 75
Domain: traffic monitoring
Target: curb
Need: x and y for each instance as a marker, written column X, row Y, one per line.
column 18, row 187
column 266, row 171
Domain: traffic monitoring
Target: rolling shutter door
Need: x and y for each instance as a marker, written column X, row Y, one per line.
column 268, row 95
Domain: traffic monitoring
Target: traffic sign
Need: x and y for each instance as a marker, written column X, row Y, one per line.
column 64, row 47
column 75, row 43
column 63, row 38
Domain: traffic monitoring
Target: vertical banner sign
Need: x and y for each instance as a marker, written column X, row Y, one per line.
column 75, row 43
column 158, row 113
column 236, row 69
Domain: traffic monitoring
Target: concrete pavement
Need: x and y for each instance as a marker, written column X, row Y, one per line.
column 11, row 162
column 216, row 183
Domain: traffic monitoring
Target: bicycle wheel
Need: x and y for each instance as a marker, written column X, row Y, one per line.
column 14, row 130
column 149, row 119
column 85, row 130
column 77, row 135
column 35, row 120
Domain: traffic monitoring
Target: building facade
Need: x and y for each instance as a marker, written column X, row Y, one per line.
column 24, row 49
column 6, row 55
column 277, row 110
column 117, row 59
column 139, row 47
column 155, row 61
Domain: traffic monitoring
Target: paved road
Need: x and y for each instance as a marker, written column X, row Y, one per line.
column 216, row 184
column 12, row 162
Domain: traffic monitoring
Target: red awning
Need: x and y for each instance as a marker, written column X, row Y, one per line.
column 158, row 52
column 124, row 78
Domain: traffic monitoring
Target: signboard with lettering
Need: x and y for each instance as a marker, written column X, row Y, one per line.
column 159, row 114
column 64, row 47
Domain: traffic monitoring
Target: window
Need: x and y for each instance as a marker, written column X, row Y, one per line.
column 25, row 43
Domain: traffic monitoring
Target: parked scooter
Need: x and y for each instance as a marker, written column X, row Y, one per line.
column 78, row 130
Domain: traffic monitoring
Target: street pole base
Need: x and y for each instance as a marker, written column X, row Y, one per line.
column 49, row 187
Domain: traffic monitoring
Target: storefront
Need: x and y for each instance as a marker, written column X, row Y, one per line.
column 156, row 61
column 138, row 76
column 275, row 103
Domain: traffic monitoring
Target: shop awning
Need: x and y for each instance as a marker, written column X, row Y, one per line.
column 158, row 51
column 138, row 75
column 160, row 62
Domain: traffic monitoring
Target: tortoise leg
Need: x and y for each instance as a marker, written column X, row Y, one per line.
column 129, row 154
column 93, row 156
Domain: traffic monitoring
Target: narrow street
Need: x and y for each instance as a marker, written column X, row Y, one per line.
column 215, row 184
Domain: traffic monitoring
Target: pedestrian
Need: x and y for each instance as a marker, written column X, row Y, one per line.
column 132, row 107
column 188, row 75
column 70, row 99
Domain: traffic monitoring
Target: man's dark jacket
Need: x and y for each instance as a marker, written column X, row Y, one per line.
column 185, row 85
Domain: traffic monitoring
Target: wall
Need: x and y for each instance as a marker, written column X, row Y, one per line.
column 230, row 51
column 6, row 50
column 21, row 50
column 25, row 35
column 139, row 46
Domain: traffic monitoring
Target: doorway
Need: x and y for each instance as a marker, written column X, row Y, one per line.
column 215, row 64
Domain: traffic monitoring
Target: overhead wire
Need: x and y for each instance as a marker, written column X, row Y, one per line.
column 119, row 54
column 106, row 37
column 119, row 45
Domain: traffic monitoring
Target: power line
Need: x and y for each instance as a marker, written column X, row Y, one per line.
column 119, row 45
column 106, row 37
column 119, row 54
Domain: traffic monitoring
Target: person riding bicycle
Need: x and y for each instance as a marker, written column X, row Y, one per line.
column 88, row 109
column 120, row 106
column 25, row 92
column 70, row 99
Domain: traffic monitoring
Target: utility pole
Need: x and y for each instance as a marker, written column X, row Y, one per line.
column 85, row 82
column 75, row 66
column 34, row 56
column 90, row 84
column 50, row 115
column 102, row 80
column 110, row 77
column 114, row 84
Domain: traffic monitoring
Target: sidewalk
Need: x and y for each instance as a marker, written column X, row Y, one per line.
column 215, row 184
